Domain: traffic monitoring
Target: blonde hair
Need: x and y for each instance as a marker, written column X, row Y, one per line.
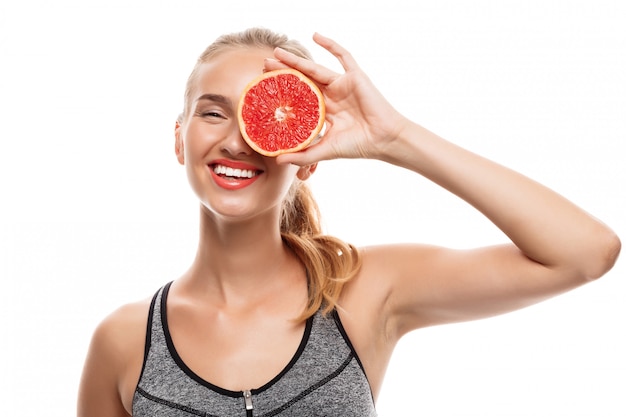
column 250, row 38
column 330, row 262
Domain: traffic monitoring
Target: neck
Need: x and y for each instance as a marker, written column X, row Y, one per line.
column 247, row 258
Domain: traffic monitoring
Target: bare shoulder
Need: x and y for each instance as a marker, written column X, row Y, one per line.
column 119, row 335
column 124, row 324
column 381, row 263
column 114, row 362
column 399, row 279
column 381, row 268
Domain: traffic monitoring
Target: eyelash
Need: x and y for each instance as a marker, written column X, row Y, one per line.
column 212, row 114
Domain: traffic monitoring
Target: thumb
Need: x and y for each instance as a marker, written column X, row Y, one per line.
column 310, row 155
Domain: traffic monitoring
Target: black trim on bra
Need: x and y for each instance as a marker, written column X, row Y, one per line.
column 272, row 413
column 294, row 359
column 172, row 404
column 235, row 394
column 344, row 334
column 312, row 388
column 148, row 336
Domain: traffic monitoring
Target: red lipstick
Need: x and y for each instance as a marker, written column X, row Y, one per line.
column 233, row 175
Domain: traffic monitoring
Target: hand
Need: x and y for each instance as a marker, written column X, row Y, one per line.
column 359, row 120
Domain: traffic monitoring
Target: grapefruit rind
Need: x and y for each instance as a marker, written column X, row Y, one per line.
column 274, row 111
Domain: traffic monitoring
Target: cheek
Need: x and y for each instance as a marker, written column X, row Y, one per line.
column 200, row 138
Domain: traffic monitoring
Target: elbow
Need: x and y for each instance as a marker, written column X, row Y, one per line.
column 606, row 250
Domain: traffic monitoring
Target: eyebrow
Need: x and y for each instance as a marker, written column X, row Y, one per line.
column 218, row 98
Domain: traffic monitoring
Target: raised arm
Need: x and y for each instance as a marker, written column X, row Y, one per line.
column 555, row 246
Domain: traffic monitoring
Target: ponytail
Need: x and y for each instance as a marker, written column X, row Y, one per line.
column 329, row 261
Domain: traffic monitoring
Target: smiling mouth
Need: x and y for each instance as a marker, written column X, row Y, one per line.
column 234, row 173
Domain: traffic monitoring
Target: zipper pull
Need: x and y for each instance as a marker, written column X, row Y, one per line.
column 247, row 397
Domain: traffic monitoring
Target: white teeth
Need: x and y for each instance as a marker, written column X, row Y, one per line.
column 230, row 172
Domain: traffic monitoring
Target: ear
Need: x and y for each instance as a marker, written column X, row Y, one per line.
column 179, row 146
column 306, row 171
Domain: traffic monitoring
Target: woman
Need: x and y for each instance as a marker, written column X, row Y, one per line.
column 274, row 318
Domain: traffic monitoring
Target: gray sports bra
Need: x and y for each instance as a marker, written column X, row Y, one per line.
column 324, row 378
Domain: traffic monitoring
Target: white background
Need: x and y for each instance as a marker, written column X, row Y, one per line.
column 96, row 212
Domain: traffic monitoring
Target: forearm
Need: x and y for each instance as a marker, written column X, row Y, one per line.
column 545, row 226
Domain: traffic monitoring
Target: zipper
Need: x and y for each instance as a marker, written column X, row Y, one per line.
column 247, row 397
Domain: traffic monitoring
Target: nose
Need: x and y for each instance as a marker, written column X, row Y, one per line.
column 235, row 145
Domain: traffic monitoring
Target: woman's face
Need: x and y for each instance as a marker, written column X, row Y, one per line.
column 230, row 179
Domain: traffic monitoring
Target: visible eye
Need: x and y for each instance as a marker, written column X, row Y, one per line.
column 212, row 114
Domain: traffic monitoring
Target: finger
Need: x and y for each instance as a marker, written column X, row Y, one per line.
column 316, row 72
column 341, row 53
column 273, row 64
column 308, row 156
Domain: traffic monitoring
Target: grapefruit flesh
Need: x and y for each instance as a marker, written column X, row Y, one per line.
column 281, row 111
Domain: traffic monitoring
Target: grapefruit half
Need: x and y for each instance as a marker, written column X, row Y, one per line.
column 281, row 111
